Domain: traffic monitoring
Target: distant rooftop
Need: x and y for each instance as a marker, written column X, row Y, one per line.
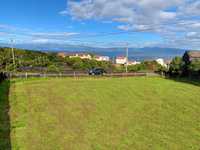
column 120, row 57
column 194, row 54
column 73, row 53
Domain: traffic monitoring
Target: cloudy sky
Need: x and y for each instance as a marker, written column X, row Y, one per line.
column 141, row 23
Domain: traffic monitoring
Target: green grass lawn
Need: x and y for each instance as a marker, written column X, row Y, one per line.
column 104, row 114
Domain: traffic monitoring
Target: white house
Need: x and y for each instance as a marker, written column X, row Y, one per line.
column 81, row 55
column 121, row 60
column 133, row 62
column 74, row 55
column 161, row 62
column 102, row 58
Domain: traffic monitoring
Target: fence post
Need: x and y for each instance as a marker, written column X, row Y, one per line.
column 26, row 75
column 74, row 74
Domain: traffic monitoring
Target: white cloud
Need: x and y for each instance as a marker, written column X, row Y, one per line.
column 168, row 18
column 128, row 10
column 192, row 8
column 189, row 34
column 123, row 27
column 4, row 26
column 54, row 35
column 135, row 15
column 167, row 15
column 40, row 41
column 3, row 33
column 193, row 35
column 48, row 37
column 7, row 28
column 23, row 35
column 64, row 12
column 51, row 37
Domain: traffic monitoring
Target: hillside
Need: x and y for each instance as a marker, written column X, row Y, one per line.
column 134, row 53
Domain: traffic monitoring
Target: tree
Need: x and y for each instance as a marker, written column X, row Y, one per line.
column 176, row 66
column 135, row 68
column 194, row 67
column 53, row 68
column 6, row 62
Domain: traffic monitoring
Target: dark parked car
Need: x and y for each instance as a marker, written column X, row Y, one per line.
column 97, row 71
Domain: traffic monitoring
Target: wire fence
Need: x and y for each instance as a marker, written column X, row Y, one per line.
column 75, row 75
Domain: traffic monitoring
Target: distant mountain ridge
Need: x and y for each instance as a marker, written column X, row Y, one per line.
column 134, row 53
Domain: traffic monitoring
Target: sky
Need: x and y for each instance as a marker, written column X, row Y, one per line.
column 106, row 23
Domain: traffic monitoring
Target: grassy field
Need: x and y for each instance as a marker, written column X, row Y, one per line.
column 5, row 141
column 103, row 114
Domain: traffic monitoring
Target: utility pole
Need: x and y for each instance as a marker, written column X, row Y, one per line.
column 13, row 53
column 126, row 57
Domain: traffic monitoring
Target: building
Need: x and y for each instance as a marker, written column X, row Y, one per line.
column 74, row 55
column 121, row 60
column 101, row 58
column 190, row 56
column 62, row 54
column 80, row 55
column 161, row 62
column 133, row 62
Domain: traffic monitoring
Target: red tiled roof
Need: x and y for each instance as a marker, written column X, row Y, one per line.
column 120, row 57
column 194, row 54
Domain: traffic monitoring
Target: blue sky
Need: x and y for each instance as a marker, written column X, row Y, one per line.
column 172, row 23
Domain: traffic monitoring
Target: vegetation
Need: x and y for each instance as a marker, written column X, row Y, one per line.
column 180, row 67
column 26, row 60
column 85, row 64
column 5, row 142
column 194, row 68
column 104, row 113
column 176, row 66
column 145, row 66
column 36, row 61
column 149, row 66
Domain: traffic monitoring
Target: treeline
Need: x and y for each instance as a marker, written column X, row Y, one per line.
column 186, row 66
column 25, row 60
